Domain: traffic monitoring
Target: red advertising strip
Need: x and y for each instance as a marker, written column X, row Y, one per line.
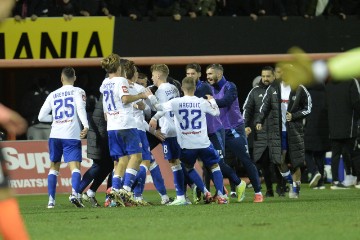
column 28, row 164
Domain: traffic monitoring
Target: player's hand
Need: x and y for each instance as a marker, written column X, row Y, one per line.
column 153, row 123
column 298, row 70
column 288, row 116
column 159, row 135
column 247, row 131
column 147, row 92
column 139, row 105
column 258, row 126
column 83, row 132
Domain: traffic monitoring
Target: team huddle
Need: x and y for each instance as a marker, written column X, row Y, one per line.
column 192, row 123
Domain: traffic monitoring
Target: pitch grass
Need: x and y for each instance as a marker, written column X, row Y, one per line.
column 317, row 214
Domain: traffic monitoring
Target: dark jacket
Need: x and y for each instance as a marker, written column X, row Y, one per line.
column 299, row 106
column 251, row 112
column 343, row 102
column 317, row 125
column 97, row 137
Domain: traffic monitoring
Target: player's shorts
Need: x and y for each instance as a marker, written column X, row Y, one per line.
column 284, row 141
column 146, row 154
column 208, row 155
column 69, row 148
column 4, row 177
column 171, row 148
column 124, row 142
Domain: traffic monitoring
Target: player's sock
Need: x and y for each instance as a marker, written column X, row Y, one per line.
column 141, row 177
column 197, row 180
column 157, row 178
column 75, row 181
column 52, row 181
column 218, row 180
column 178, row 179
column 287, row 176
column 129, row 178
column 116, row 182
column 11, row 223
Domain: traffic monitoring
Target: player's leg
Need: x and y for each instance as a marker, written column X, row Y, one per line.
column 56, row 152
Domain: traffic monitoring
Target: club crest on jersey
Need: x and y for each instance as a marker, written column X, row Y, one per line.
column 125, row 89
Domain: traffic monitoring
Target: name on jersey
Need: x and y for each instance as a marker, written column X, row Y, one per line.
column 189, row 105
column 63, row 94
column 170, row 92
column 108, row 86
column 192, row 132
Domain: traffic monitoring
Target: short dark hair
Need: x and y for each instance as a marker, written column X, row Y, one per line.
column 268, row 68
column 216, row 66
column 194, row 66
column 142, row 75
column 68, row 72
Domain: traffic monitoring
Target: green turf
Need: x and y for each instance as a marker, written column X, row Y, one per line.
column 317, row 214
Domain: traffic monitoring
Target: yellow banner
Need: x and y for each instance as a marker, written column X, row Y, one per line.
column 47, row 38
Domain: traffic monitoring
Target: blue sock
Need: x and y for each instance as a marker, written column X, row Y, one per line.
column 195, row 177
column 141, row 177
column 157, row 178
column 75, row 180
column 116, row 182
column 52, row 181
column 228, row 172
column 218, row 180
column 178, row 179
column 129, row 178
column 287, row 176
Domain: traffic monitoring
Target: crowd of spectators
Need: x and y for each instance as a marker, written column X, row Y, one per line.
column 138, row 9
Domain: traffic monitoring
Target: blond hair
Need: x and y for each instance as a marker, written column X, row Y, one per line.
column 162, row 68
column 111, row 63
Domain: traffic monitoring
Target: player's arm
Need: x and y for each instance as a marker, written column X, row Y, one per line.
column 249, row 108
column 44, row 114
column 210, row 106
column 265, row 108
column 230, row 95
column 305, row 98
column 80, row 101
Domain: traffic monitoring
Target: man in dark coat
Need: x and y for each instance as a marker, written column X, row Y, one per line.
column 251, row 108
column 286, row 109
column 343, row 102
column 317, row 141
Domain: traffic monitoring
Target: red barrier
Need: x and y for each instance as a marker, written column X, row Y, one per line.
column 28, row 164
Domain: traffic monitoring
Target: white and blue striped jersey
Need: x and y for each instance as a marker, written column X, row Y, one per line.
column 64, row 107
column 190, row 119
column 119, row 115
column 164, row 93
column 138, row 114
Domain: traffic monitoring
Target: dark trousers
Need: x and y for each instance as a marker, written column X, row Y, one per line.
column 341, row 147
column 235, row 140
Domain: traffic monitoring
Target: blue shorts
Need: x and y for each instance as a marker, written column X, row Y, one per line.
column 284, row 141
column 124, row 142
column 171, row 148
column 70, row 148
column 146, row 154
column 208, row 155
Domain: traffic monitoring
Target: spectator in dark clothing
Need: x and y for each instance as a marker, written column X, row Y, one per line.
column 31, row 8
column 66, row 9
column 316, row 136
column 94, row 8
column 30, row 107
column 343, row 103
column 98, row 151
